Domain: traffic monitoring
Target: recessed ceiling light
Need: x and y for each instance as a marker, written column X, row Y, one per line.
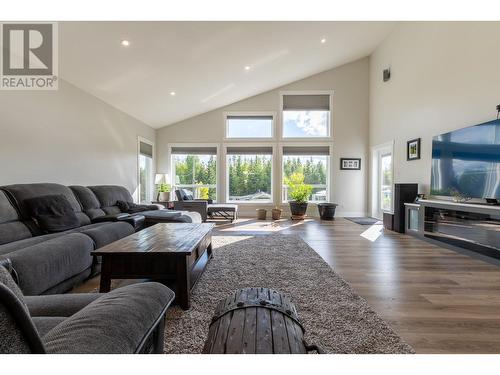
column 323, row 41
column 172, row 93
column 247, row 68
column 125, row 43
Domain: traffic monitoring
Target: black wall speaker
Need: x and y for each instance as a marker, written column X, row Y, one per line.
column 387, row 74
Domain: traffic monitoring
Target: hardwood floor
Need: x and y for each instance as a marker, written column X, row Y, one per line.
column 438, row 300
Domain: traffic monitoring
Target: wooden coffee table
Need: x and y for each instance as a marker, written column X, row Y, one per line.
column 172, row 253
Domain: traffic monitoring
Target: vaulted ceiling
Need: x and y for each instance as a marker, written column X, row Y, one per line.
column 206, row 64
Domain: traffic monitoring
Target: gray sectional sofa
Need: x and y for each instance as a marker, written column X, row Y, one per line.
column 52, row 263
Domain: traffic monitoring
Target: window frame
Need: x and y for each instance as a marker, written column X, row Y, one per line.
column 329, row 174
column 138, row 174
column 171, row 167
column 249, row 113
column 274, row 157
column 307, row 92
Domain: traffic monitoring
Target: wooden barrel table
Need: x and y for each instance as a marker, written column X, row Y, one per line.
column 256, row 321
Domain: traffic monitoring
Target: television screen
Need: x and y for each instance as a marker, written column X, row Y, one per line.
column 467, row 161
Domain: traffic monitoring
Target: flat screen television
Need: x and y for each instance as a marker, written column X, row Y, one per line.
column 467, row 161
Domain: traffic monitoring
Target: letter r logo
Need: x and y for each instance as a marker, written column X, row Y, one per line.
column 28, row 49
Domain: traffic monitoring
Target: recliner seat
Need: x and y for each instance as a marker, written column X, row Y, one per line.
column 126, row 320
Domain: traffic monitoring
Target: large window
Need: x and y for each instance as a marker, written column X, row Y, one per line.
column 306, row 116
column 249, row 126
column 195, row 169
column 313, row 163
column 145, row 163
column 249, row 174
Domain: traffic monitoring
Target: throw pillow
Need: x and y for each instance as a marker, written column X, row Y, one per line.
column 187, row 195
column 52, row 213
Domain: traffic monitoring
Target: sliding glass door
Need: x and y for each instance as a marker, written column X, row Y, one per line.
column 382, row 180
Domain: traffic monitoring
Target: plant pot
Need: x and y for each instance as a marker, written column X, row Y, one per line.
column 276, row 213
column 164, row 196
column 327, row 211
column 298, row 209
column 261, row 214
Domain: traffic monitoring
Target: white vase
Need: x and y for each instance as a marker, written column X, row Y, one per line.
column 164, row 196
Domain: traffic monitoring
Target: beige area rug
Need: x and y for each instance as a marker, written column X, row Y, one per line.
column 334, row 316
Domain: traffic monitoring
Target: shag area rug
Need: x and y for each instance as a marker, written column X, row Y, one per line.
column 334, row 316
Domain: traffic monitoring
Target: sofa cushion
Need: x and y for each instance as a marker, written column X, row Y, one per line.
column 52, row 213
column 89, row 202
column 106, row 233
column 109, row 195
column 20, row 192
column 11, row 229
column 46, row 264
column 59, row 304
column 21, row 244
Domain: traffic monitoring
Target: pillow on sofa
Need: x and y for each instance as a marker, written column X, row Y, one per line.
column 133, row 208
column 185, row 195
column 52, row 213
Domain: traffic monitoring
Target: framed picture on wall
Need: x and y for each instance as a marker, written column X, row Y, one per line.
column 350, row 164
column 413, row 149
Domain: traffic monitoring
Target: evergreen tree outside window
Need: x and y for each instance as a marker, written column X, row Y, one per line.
column 313, row 162
column 249, row 174
column 195, row 169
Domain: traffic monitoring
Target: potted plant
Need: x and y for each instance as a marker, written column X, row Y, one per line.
column 164, row 192
column 276, row 213
column 299, row 193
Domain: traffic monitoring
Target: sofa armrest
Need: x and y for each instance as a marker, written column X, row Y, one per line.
column 59, row 305
column 137, row 221
column 199, row 206
column 122, row 321
column 114, row 217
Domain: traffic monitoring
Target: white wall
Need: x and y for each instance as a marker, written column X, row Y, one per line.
column 350, row 84
column 67, row 136
column 445, row 76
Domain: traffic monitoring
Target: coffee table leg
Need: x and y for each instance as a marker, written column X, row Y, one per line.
column 105, row 283
column 209, row 251
column 183, row 284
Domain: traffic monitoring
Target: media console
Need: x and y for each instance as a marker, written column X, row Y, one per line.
column 474, row 227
